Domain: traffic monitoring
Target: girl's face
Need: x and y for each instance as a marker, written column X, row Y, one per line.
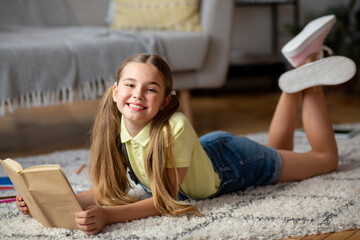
column 139, row 95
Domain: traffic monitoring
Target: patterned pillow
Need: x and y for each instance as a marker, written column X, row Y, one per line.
column 174, row 15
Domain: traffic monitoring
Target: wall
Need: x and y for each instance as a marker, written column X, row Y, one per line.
column 252, row 24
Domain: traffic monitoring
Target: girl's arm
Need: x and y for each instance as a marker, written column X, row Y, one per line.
column 86, row 199
column 94, row 218
column 126, row 213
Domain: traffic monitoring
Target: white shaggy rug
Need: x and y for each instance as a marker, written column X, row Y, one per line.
column 321, row 204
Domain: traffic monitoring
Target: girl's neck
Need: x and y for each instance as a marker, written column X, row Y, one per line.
column 134, row 129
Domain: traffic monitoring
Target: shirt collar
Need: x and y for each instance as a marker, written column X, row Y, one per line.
column 142, row 137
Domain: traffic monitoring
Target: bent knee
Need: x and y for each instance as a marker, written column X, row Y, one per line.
column 331, row 163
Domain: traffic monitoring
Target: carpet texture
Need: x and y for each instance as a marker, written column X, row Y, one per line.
column 321, row 204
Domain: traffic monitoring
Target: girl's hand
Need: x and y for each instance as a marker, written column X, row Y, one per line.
column 92, row 220
column 21, row 205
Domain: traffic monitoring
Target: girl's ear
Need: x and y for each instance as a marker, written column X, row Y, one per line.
column 114, row 92
column 165, row 102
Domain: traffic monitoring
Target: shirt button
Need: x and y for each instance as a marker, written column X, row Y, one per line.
column 133, row 142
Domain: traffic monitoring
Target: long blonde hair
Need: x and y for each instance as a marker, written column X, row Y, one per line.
column 108, row 162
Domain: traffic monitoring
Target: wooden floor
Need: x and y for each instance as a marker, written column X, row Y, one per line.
column 42, row 130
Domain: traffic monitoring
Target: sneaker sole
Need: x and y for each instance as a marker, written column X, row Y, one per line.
column 327, row 71
column 307, row 35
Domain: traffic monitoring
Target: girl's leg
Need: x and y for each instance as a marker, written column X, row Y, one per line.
column 323, row 156
column 281, row 132
column 282, row 127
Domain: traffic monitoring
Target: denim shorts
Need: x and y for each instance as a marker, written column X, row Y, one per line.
column 241, row 162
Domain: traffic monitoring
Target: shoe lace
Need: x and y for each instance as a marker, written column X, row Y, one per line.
column 326, row 49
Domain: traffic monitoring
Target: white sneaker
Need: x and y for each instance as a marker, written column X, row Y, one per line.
column 308, row 41
column 327, row 71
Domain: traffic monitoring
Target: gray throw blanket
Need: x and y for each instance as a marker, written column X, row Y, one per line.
column 42, row 66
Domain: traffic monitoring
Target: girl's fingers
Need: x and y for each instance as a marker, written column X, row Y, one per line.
column 84, row 221
column 88, row 213
column 83, row 214
column 23, row 209
column 21, row 205
column 87, row 221
column 92, row 232
column 89, row 229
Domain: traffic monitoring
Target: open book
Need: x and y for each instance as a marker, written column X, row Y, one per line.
column 47, row 193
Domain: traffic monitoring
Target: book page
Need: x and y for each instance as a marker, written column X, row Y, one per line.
column 42, row 168
column 13, row 165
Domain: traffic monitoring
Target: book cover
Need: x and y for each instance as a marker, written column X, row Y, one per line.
column 47, row 193
column 6, row 184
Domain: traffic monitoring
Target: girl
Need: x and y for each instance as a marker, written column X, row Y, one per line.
column 138, row 128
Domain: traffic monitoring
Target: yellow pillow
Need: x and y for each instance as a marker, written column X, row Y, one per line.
column 174, row 15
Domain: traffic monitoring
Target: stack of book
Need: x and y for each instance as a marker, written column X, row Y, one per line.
column 6, row 187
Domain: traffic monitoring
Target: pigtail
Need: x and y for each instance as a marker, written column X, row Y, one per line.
column 159, row 152
column 107, row 164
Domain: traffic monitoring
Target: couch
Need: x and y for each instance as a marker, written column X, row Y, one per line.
column 63, row 50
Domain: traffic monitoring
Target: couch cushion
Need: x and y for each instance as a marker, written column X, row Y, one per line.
column 185, row 51
column 174, row 15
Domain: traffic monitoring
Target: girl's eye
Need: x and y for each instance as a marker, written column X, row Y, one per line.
column 152, row 90
column 129, row 85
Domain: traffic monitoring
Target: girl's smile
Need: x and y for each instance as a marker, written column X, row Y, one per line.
column 139, row 95
column 136, row 107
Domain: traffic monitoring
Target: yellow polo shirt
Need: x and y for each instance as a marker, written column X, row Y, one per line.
column 200, row 181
